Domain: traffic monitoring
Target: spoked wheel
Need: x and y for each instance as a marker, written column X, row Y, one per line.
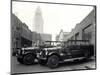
column 29, row 59
column 53, row 61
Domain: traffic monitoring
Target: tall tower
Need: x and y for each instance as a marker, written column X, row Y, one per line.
column 38, row 21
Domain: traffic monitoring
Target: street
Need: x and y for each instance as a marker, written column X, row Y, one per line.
column 20, row 68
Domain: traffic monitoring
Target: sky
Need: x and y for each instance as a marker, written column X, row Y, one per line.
column 55, row 16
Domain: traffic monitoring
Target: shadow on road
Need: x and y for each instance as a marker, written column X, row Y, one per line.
column 76, row 62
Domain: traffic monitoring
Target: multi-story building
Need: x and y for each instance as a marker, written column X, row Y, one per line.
column 21, row 36
column 38, row 35
column 39, row 38
column 38, row 21
column 62, row 36
column 15, row 33
column 57, row 37
column 26, row 36
column 46, row 37
column 85, row 30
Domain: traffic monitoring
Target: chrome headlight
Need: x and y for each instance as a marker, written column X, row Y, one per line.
column 23, row 50
column 46, row 52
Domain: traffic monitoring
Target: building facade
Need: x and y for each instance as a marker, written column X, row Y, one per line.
column 46, row 37
column 21, row 36
column 62, row 36
column 15, row 33
column 38, row 21
column 39, row 38
column 85, row 30
column 26, row 36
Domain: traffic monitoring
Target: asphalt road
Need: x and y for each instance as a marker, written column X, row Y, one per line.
column 16, row 67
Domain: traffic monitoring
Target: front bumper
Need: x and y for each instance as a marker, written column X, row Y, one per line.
column 19, row 56
column 39, row 56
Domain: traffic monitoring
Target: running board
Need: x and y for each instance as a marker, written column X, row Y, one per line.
column 72, row 59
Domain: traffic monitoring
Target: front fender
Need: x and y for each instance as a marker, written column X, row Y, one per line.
column 53, row 53
column 30, row 53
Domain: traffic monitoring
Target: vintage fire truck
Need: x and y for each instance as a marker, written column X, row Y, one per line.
column 27, row 55
column 70, row 50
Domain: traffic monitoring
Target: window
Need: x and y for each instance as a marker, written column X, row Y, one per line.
column 87, row 33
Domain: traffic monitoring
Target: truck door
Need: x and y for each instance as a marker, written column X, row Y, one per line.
column 75, row 51
column 66, row 53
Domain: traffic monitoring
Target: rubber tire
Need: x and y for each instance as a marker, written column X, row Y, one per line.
column 42, row 62
column 28, row 59
column 20, row 60
column 53, row 61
